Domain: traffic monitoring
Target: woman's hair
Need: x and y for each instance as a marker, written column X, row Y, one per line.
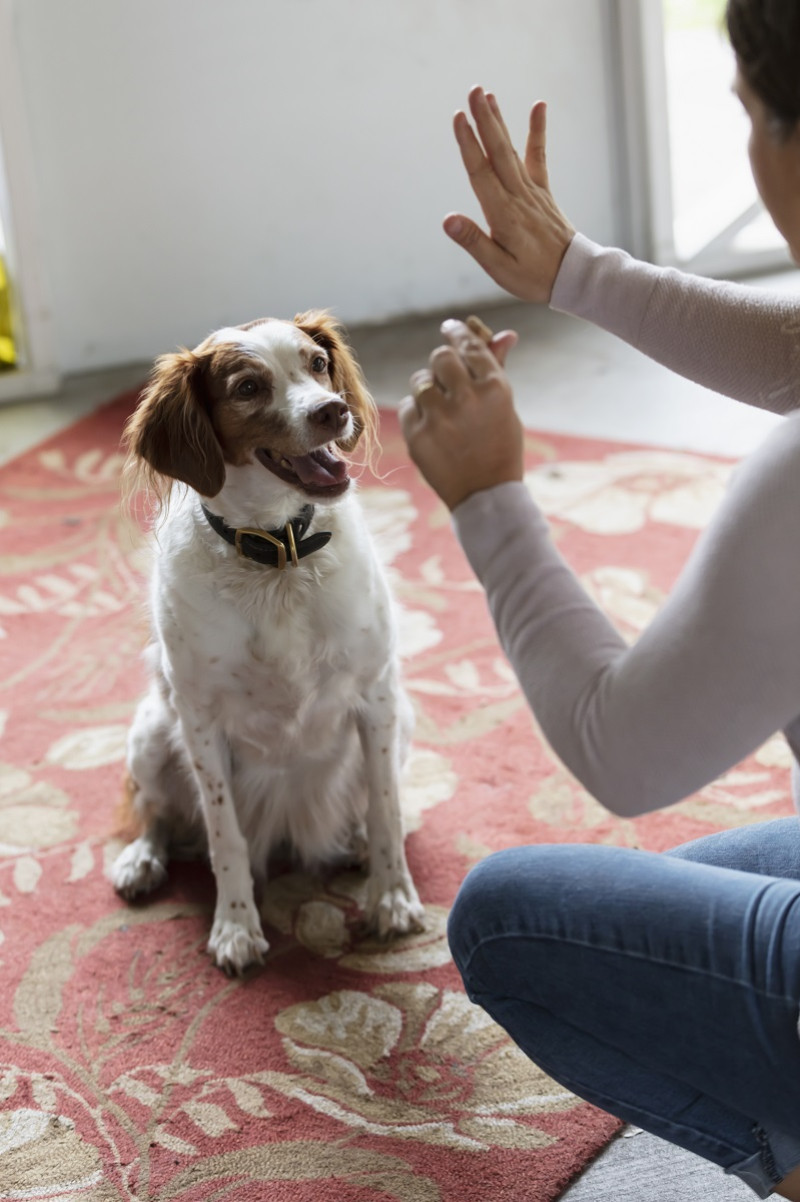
column 765, row 35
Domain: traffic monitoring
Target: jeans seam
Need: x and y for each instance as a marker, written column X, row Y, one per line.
column 730, row 980
column 606, row 1102
column 766, row 1154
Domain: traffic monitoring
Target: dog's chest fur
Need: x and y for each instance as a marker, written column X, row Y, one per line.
column 279, row 659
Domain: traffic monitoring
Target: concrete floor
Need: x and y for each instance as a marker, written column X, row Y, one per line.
column 569, row 378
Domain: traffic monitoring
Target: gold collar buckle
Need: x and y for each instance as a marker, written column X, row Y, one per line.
column 291, row 542
column 269, row 538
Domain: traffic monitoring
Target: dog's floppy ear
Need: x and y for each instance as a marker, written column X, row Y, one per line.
column 171, row 431
column 344, row 371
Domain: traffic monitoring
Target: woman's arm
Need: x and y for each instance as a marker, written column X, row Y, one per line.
column 711, row 678
column 741, row 341
column 715, row 673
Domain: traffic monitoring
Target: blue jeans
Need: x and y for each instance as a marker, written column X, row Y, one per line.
column 662, row 988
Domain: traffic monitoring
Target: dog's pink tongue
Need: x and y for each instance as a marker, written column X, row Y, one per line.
column 320, row 467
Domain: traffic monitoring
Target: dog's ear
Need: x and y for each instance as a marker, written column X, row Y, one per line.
column 345, row 373
column 171, row 431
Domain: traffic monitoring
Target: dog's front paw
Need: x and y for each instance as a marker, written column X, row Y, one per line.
column 393, row 908
column 236, row 943
column 137, row 869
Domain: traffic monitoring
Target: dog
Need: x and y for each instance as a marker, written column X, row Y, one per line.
column 275, row 715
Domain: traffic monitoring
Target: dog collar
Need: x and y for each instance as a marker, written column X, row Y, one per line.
column 272, row 547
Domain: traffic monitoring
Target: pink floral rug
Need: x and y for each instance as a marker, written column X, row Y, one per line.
column 345, row 1070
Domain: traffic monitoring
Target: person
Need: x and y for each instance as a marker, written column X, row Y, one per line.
column 663, row 988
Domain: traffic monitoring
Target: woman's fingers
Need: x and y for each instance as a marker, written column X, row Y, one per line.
column 495, row 107
column 496, row 141
column 422, row 381
column 452, row 373
column 466, row 359
column 536, row 148
column 411, row 418
column 488, row 188
column 469, row 358
column 472, row 155
column 494, row 260
column 502, row 343
column 471, row 355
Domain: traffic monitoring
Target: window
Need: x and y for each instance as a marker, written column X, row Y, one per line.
column 694, row 202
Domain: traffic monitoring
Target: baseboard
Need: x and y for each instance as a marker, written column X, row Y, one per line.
column 19, row 384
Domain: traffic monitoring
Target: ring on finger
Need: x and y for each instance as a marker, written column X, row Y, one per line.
column 422, row 383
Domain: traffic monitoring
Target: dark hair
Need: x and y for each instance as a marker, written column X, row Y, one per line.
column 765, row 35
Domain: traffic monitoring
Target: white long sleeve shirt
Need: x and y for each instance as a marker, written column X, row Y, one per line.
column 717, row 671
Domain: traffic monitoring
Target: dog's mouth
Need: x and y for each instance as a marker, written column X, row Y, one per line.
column 319, row 473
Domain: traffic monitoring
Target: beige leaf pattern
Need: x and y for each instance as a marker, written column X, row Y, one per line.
column 27, row 873
column 211, row 1119
column 46, row 1151
column 347, row 1077
column 89, row 748
column 82, row 862
column 37, row 1001
column 248, row 1098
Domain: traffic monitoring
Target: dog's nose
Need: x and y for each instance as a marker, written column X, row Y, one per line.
column 330, row 416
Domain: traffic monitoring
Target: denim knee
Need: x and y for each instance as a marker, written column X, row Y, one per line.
column 467, row 908
column 488, row 889
column 544, row 890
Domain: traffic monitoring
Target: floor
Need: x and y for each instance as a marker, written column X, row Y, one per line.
column 570, row 378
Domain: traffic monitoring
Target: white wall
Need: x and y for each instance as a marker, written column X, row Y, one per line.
column 201, row 162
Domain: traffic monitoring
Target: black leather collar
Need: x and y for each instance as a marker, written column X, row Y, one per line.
column 275, row 548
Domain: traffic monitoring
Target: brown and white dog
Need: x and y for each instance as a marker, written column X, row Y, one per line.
column 275, row 715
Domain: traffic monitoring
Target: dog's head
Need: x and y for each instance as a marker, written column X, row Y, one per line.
column 286, row 396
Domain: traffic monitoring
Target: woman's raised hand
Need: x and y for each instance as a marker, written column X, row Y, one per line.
column 528, row 234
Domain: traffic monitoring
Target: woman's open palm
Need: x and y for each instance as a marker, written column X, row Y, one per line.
column 528, row 233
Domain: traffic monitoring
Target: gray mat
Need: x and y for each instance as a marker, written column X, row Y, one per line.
column 639, row 1167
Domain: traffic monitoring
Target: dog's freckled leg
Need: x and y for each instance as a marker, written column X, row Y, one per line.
column 392, row 902
column 235, row 941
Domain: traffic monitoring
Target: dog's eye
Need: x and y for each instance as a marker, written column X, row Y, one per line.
column 319, row 364
column 246, row 388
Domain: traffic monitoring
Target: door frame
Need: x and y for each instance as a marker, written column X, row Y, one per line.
column 31, row 310
column 641, row 75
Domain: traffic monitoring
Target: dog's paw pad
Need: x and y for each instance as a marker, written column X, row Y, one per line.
column 137, row 870
column 234, row 946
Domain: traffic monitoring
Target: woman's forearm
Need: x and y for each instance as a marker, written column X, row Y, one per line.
column 743, row 342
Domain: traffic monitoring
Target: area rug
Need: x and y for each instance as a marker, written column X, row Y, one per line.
column 345, row 1070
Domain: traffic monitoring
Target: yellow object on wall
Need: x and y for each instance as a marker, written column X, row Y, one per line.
column 8, row 352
